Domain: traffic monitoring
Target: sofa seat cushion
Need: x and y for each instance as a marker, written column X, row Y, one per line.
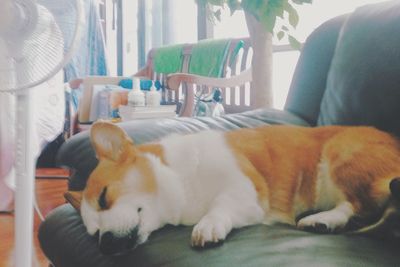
column 64, row 240
column 363, row 86
column 77, row 153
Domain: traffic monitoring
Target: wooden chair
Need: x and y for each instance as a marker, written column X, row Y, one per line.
column 184, row 87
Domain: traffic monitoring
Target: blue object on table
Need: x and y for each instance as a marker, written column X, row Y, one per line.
column 126, row 83
column 146, row 85
column 158, row 85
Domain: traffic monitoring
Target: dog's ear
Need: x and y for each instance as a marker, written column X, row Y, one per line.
column 111, row 142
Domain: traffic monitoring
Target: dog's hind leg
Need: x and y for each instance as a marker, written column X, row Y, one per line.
column 358, row 171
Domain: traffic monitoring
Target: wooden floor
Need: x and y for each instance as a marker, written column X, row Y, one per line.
column 49, row 193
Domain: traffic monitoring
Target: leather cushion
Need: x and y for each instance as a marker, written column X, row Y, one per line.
column 364, row 81
column 64, row 240
column 77, row 152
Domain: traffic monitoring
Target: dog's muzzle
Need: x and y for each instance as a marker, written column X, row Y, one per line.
column 111, row 244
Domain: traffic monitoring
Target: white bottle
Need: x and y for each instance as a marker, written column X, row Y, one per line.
column 136, row 96
column 153, row 97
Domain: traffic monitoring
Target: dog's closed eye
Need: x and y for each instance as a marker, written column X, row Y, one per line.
column 102, row 201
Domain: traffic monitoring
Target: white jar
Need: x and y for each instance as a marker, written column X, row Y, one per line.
column 136, row 98
column 153, row 97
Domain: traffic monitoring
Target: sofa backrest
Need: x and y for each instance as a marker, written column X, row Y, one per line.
column 310, row 76
column 363, row 86
column 349, row 71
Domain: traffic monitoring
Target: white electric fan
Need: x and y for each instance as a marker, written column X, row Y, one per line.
column 37, row 38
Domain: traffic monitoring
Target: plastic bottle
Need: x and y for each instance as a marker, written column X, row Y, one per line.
column 153, row 97
column 136, row 97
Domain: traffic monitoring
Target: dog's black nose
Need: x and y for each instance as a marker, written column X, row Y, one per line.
column 395, row 188
column 111, row 244
column 107, row 243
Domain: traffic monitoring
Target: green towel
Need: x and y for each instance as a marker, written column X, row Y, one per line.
column 235, row 52
column 168, row 59
column 208, row 57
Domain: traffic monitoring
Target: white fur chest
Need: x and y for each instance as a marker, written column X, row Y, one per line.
column 206, row 168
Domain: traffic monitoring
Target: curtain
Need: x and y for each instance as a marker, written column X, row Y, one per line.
column 90, row 58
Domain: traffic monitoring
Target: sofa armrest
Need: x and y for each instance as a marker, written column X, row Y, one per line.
column 78, row 155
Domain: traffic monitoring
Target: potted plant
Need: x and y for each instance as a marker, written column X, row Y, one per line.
column 261, row 19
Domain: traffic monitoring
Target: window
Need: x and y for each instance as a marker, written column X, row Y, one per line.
column 231, row 26
column 311, row 16
column 184, row 21
column 133, row 27
column 144, row 24
column 166, row 22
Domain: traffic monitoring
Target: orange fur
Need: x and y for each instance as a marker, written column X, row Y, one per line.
column 281, row 161
column 362, row 162
column 110, row 174
column 114, row 164
column 103, row 133
column 153, row 148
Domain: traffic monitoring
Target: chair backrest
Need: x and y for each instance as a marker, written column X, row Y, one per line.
column 235, row 98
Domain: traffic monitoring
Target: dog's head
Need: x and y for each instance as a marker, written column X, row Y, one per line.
column 122, row 201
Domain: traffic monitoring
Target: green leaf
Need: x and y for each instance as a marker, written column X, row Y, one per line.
column 265, row 11
column 279, row 12
column 217, row 15
column 267, row 17
column 293, row 15
column 280, row 35
column 252, row 6
column 233, row 5
column 276, row 7
column 269, row 23
column 268, row 13
column 294, row 42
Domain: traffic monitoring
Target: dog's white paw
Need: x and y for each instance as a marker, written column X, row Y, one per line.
column 210, row 231
column 328, row 221
column 324, row 222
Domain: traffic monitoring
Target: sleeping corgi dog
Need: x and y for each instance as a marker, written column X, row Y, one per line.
column 218, row 181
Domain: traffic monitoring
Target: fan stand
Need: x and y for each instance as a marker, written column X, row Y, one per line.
column 17, row 23
column 25, row 181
